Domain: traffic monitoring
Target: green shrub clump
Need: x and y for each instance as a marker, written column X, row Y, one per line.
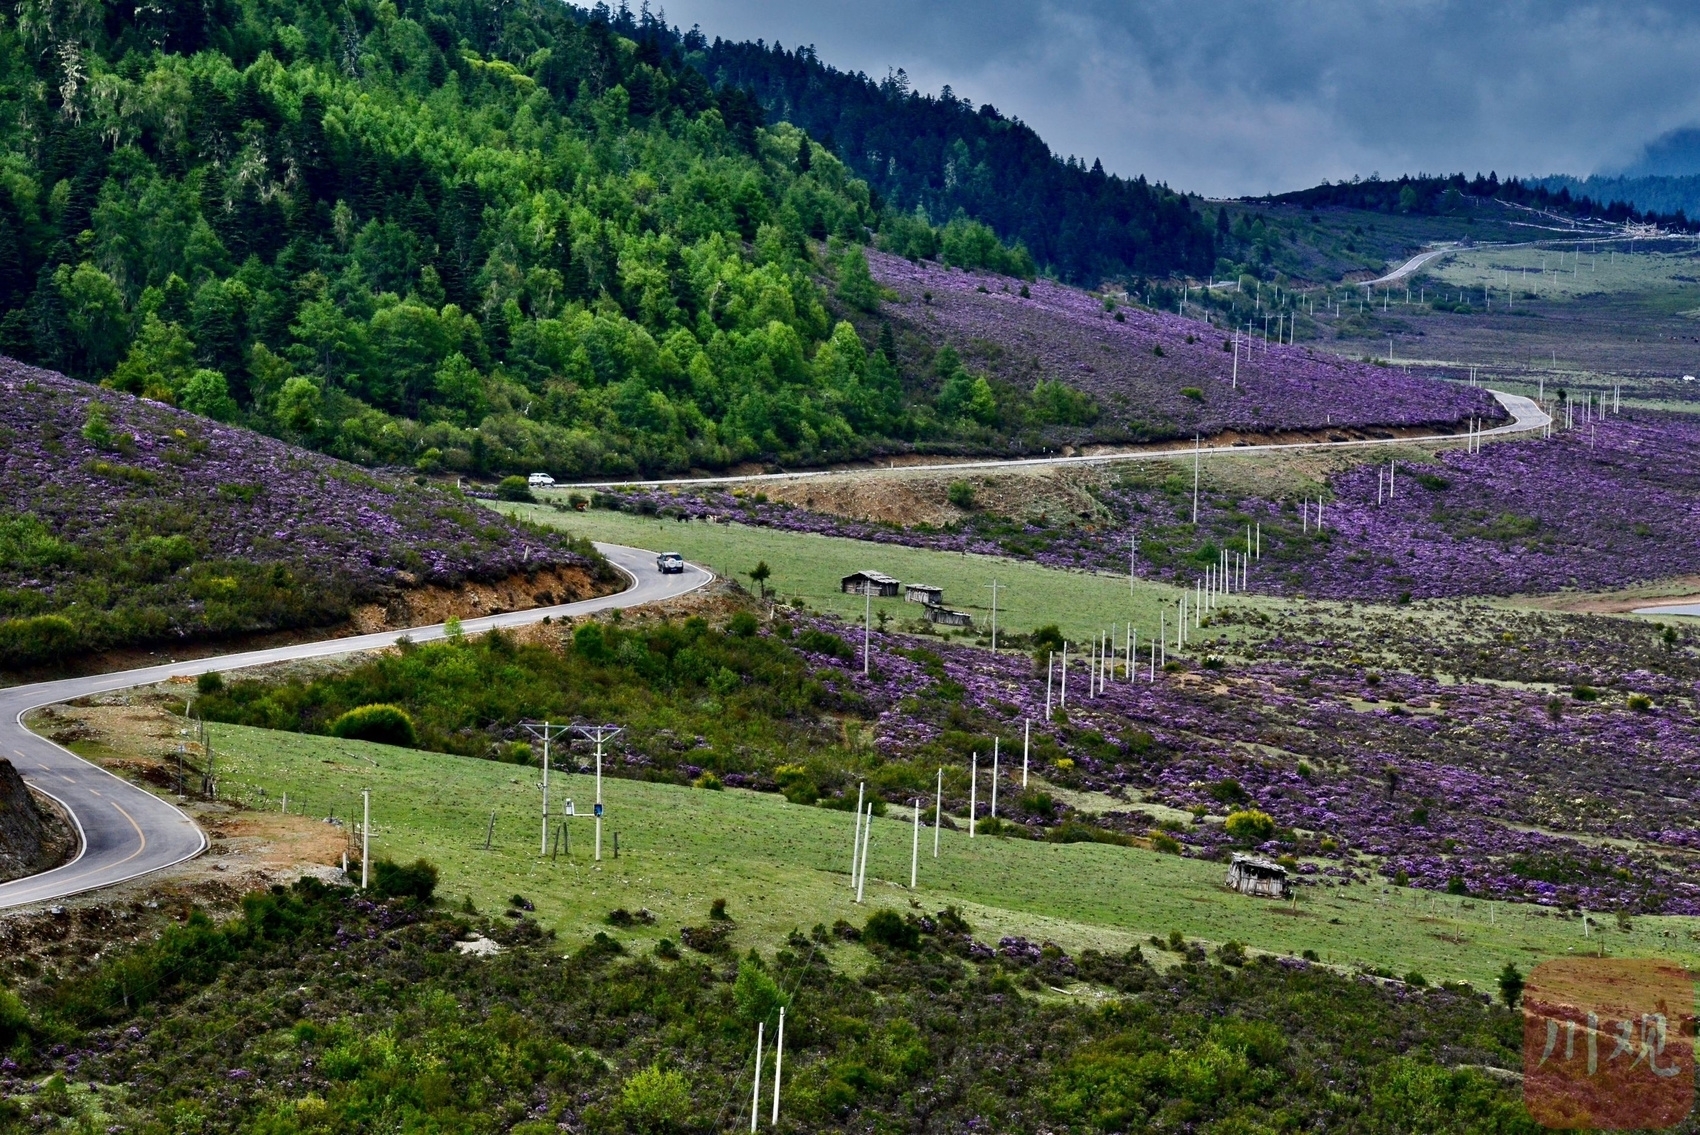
column 416, row 880
column 888, row 928
column 515, row 488
column 1250, row 826
column 382, row 723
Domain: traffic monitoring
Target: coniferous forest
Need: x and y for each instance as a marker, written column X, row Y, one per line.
column 490, row 237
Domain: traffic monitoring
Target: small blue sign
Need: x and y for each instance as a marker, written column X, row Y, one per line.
column 598, row 809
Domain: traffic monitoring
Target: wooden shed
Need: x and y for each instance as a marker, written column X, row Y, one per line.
column 884, row 587
column 924, row 593
column 946, row 617
column 1254, row 875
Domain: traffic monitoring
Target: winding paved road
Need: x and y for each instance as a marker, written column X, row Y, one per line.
column 1690, row 609
column 126, row 831
column 1526, row 417
column 1413, row 265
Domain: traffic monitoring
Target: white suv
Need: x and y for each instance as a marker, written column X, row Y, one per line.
column 540, row 480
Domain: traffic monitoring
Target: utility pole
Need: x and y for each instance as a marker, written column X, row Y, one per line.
column 365, row 834
column 868, row 622
column 938, row 812
column 1195, row 479
column 600, row 735
column 547, row 732
column 994, row 586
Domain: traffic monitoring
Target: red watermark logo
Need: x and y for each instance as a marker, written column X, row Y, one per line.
column 1608, row 1043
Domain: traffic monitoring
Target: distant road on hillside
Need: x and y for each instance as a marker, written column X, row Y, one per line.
column 125, row 831
column 1526, row 417
column 1414, row 265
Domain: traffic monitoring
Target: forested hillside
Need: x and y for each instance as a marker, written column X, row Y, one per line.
column 1654, row 193
column 1425, row 194
column 443, row 233
column 940, row 154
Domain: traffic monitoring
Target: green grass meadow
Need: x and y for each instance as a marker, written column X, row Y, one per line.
column 809, row 567
column 782, row 866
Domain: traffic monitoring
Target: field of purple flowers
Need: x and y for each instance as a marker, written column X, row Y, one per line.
column 1584, row 797
column 1157, row 375
column 124, row 521
column 1582, row 510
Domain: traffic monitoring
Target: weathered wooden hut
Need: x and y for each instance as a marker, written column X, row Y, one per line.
column 944, row 616
column 924, row 593
column 883, row 585
column 1254, row 875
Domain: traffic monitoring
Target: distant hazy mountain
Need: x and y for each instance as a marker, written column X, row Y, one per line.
column 1676, row 154
column 1656, row 194
column 1663, row 179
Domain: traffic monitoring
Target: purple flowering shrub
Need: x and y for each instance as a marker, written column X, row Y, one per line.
column 1585, row 509
column 1492, row 791
column 126, row 521
column 1580, row 510
column 1155, row 375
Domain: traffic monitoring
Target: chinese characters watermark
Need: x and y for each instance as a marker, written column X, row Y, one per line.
column 1608, row 1043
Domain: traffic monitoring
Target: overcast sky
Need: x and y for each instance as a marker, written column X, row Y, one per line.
column 1242, row 98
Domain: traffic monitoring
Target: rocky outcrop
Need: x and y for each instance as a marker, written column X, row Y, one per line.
column 31, row 838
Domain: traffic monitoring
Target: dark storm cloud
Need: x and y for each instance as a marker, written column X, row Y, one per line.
column 1230, row 98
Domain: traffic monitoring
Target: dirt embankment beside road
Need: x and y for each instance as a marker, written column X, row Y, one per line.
column 424, row 606
column 417, row 606
column 34, row 834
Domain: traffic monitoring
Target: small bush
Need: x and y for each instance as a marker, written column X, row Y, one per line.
column 654, row 1101
column 1641, row 703
column 1228, row 791
column 209, row 683
column 742, row 625
column 666, row 948
column 1250, row 826
column 14, row 1018
column 707, row 939
column 709, row 781
column 756, row 994
column 416, row 880
column 961, row 494
column 1584, row 693
column 1192, row 392
column 1231, row 954
column 42, row 638
column 1165, row 843
column 796, row 784
column 1510, row 985
column 888, row 928
column 515, row 488
column 1074, row 831
column 1416, row 979
column 717, row 911
column 386, row 724
column 822, row 642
